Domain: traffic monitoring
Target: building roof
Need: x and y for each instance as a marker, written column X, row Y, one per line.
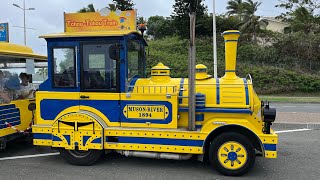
column 274, row 19
column 91, row 34
column 19, row 51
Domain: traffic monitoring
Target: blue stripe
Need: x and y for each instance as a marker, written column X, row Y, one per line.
column 160, row 141
column 133, row 82
column 42, row 136
column 218, row 91
column 11, row 115
column 270, row 147
column 11, row 106
column 231, row 41
column 55, row 138
column 246, row 90
column 67, row 138
column 220, row 110
column 85, row 139
column 199, row 117
column 97, row 141
column 180, row 91
column 8, row 111
column 198, row 126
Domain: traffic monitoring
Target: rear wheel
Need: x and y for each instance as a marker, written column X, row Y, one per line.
column 81, row 158
column 232, row 154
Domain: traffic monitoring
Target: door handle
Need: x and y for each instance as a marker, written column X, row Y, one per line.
column 84, row 97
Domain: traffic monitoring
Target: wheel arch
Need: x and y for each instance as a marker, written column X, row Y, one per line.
column 254, row 139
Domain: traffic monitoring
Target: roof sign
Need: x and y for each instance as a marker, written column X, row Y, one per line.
column 4, row 32
column 105, row 20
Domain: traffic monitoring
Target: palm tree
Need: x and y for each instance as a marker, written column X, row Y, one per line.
column 89, row 8
column 251, row 22
column 303, row 20
column 236, row 7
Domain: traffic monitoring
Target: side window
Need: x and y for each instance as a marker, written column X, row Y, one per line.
column 99, row 69
column 64, row 72
column 135, row 60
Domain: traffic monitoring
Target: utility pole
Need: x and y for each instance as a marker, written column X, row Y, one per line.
column 192, row 70
column 24, row 18
column 214, row 28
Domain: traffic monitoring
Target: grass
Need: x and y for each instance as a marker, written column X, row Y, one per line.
column 291, row 99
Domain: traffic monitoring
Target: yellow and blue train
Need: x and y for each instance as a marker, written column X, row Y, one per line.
column 15, row 116
column 98, row 98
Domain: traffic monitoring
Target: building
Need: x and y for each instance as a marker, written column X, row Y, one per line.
column 274, row 24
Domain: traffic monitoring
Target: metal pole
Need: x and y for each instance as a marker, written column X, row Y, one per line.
column 192, row 64
column 24, row 22
column 214, row 28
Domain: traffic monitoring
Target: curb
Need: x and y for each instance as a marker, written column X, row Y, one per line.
column 295, row 126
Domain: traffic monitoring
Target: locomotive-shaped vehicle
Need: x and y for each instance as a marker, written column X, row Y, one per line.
column 15, row 113
column 98, row 98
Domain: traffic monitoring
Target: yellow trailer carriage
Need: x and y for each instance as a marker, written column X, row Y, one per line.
column 15, row 116
column 98, row 98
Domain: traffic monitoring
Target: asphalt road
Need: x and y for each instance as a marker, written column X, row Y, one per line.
column 296, row 107
column 298, row 159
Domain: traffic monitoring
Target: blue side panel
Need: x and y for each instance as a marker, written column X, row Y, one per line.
column 219, row 110
column 123, row 65
column 42, row 136
column 218, row 91
column 50, row 108
column 67, row 138
column 199, row 117
column 9, row 114
column 270, row 147
column 246, row 90
column 180, row 91
column 160, row 141
column 148, row 103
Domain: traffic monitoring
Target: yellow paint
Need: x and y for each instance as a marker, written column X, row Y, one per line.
column 25, row 117
column 235, row 149
column 231, row 43
column 19, row 51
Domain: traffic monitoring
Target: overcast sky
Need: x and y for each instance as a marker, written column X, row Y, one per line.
column 48, row 16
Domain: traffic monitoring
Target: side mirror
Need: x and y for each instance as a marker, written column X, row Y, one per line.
column 114, row 52
column 32, row 106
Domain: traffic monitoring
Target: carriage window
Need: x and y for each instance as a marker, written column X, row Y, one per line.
column 64, row 74
column 135, row 60
column 99, row 69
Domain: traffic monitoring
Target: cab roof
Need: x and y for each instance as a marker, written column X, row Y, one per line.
column 14, row 51
column 91, row 34
column 95, row 34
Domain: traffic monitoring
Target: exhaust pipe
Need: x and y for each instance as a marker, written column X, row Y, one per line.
column 231, row 42
column 154, row 155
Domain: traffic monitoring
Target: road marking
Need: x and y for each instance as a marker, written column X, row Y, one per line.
column 288, row 106
column 29, row 156
column 294, row 130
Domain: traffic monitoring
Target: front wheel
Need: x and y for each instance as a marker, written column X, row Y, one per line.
column 81, row 158
column 232, row 154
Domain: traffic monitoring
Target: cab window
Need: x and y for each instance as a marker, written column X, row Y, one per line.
column 99, row 70
column 136, row 66
column 64, row 73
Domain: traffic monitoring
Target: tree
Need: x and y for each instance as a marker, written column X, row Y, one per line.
column 160, row 27
column 89, row 8
column 251, row 22
column 236, row 7
column 181, row 19
column 124, row 5
column 301, row 15
column 43, row 72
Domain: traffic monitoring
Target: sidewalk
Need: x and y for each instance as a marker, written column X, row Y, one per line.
column 293, row 120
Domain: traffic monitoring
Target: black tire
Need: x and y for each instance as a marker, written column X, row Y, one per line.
column 222, row 140
column 81, row 158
